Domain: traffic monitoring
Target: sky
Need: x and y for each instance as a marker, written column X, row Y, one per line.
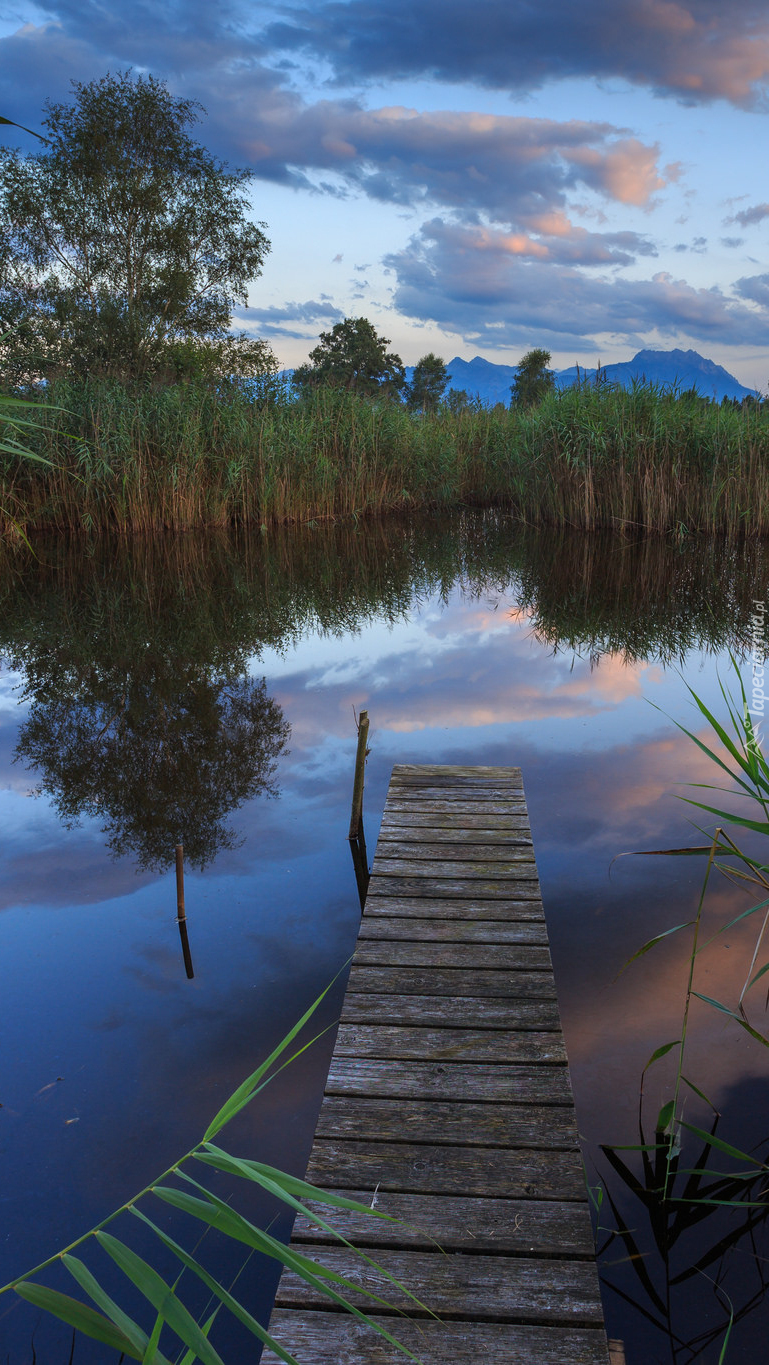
column 475, row 178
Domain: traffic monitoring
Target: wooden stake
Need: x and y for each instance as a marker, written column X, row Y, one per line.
column 180, row 914
column 357, row 790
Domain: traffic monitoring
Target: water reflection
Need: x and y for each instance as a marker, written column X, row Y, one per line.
column 679, row 1240
column 446, row 630
column 141, row 713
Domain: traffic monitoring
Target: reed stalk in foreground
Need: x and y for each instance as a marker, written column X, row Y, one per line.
column 672, row 1196
column 167, row 1314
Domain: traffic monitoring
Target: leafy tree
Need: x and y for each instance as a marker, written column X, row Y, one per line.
column 122, row 239
column 353, row 357
column 428, row 383
column 533, row 380
column 459, row 400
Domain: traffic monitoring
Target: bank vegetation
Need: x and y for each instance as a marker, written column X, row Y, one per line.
column 140, row 459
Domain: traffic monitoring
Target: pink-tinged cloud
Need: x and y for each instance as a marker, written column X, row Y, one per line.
column 695, row 50
column 474, row 287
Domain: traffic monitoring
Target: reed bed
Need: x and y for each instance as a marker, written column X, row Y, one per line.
column 640, row 460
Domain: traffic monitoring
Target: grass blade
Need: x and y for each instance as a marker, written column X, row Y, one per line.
column 87, row 1281
column 77, row 1315
column 161, row 1296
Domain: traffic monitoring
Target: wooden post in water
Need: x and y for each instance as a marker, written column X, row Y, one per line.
column 356, row 816
column 180, row 883
column 181, row 915
column 356, row 836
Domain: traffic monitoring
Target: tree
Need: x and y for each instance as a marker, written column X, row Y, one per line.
column 533, row 380
column 122, row 239
column 353, row 357
column 428, row 382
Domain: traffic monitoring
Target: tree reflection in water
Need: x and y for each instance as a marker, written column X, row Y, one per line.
column 135, row 655
column 143, row 716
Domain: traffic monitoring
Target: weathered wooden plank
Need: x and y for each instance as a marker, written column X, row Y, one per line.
column 366, row 1118
column 426, row 907
column 446, row 806
column 397, row 953
column 424, row 836
column 507, row 888
column 523, row 869
column 543, row 1226
column 452, row 981
column 441, row 1011
column 510, row 1083
column 497, row 854
column 517, row 820
column 424, row 1169
column 423, row 792
column 429, row 1169
column 495, row 1286
column 322, row 1338
column 453, row 930
column 460, row 780
column 466, row 770
column 448, row 1044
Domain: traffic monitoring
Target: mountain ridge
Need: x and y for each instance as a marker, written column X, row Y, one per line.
column 681, row 369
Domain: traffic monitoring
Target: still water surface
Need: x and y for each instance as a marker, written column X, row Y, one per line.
column 203, row 691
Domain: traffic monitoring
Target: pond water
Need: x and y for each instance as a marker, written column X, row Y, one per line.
column 203, row 691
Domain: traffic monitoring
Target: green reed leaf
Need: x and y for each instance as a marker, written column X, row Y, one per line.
column 161, row 1296
column 761, row 826
column 280, row 1181
column 662, row 1052
column 87, row 1281
column 758, row 975
column 77, row 1315
column 699, row 1092
column 743, row 1023
column 226, row 1299
column 239, row 1311
column 713, row 1141
column 247, row 1089
column 151, row 1354
column 189, row 1356
column 665, row 1116
column 651, row 943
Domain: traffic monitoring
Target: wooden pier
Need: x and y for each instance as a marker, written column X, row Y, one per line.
column 448, row 1103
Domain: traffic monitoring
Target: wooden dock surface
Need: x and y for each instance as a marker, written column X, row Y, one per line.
column 448, row 1103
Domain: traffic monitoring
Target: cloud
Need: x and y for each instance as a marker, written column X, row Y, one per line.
column 749, row 217
column 694, row 50
column 514, row 169
column 470, row 282
column 292, row 320
column 511, row 168
column 755, row 288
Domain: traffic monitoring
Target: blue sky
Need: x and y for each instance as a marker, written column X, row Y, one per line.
column 476, row 178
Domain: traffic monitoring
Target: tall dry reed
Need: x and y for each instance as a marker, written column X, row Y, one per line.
column 589, row 457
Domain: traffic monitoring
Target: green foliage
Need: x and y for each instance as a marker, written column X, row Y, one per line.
column 213, row 362
column 428, row 383
column 122, row 239
column 458, row 400
column 167, row 1315
column 353, row 357
column 533, row 380
column 199, row 453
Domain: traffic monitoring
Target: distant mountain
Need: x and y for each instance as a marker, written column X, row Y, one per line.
column 682, row 369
